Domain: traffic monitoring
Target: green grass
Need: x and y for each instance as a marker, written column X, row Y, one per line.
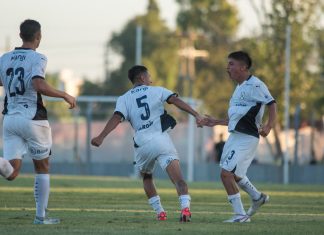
column 110, row 205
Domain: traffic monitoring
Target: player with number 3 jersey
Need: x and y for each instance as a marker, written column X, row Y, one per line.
column 246, row 109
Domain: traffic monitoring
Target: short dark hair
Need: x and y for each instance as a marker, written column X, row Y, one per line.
column 135, row 72
column 242, row 56
column 28, row 29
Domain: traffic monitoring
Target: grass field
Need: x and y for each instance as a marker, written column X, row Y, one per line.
column 109, row 205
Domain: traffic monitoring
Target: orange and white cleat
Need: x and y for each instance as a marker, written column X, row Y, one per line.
column 162, row 216
column 185, row 215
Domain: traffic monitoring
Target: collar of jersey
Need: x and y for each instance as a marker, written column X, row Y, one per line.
column 22, row 48
column 246, row 81
column 138, row 85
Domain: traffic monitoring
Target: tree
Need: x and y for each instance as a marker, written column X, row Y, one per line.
column 54, row 108
column 159, row 51
column 319, row 101
column 216, row 21
column 159, row 55
column 214, row 25
column 268, row 51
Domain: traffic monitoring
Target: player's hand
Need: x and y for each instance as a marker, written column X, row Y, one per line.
column 210, row 121
column 264, row 130
column 70, row 100
column 200, row 120
column 97, row 141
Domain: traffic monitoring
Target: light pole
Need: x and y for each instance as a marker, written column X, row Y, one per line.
column 287, row 105
column 189, row 54
column 138, row 45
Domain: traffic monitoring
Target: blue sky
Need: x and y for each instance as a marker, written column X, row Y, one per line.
column 75, row 31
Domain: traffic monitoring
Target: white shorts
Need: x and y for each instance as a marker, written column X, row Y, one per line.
column 160, row 149
column 22, row 136
column 238, row 153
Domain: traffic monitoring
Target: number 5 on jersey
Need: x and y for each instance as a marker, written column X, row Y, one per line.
column 142, row 104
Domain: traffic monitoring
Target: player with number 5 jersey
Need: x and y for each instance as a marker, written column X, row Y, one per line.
column 143, row 107
column 26, row 131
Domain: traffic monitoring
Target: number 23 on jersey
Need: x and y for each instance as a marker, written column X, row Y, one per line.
column 16, row 85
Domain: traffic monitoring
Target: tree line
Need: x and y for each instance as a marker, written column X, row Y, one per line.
column 212, row 26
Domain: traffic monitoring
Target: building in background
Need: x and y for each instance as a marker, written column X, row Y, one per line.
column 70, row 82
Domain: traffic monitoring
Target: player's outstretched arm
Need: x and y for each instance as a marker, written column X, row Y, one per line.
column 110, row 126
column 211, row 121
column 265, row 129
column 186, row 107
column 41, row 86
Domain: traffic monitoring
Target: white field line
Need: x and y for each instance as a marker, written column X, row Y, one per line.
column 150, row 211
column 161, row 190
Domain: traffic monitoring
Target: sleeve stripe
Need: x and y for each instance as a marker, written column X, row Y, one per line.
column 174, row 94
column 38, row 76
column 271, row 102
column 120, row 114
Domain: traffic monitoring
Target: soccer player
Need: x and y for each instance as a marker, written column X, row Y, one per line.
column 245, row 113
column 26, row 130
column 143, row 107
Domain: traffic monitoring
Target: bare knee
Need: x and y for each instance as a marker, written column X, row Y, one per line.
column 16, row 165
column 147, row 179
column 237, row 178
column 41, row 166
column 13, row 175
column 146, row 176
column 226, row 175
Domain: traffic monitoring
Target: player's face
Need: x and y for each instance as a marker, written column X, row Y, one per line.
column 235, row 69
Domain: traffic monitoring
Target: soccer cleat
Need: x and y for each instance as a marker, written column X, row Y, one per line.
column 162, row 216
column 185, row 215
column 41, row 220
column 256, row 204
column 238, row 219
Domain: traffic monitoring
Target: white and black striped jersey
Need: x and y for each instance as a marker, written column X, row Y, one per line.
column 143, row 106
column 17, row 69
column 246, row 106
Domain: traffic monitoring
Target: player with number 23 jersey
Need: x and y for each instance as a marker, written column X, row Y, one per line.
column 18, row 68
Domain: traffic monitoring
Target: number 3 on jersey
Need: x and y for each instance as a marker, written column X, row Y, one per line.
column 142, row 104
column 16, row 76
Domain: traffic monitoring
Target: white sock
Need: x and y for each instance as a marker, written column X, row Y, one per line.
column 237, row 205
column 6, row 168
column 249, row 188
column 155, row 202
column 41, row 193
column 184, row 201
